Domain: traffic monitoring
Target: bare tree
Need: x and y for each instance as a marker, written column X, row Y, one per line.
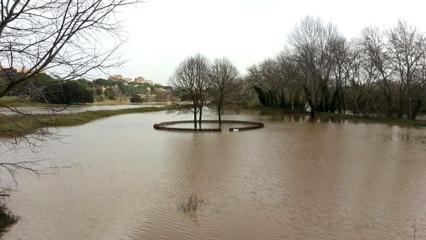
column 406, row 47
column 340, row 57
column 202, row 76
column 312, row 43
column 60, row 37
column 184, row 80
column 382, row 73
column 192, row 79
column 421, row 89
column 353, row 75
column 223, row 80
column 361, row 76
column 377, row 52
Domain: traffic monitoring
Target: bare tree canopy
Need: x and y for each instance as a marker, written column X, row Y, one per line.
column 192, row 79
column 204, row 83
column 59, row 36
column 407, row 53
column 381, row 73
column 313, row 45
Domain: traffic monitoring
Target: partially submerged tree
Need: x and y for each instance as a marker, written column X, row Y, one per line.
column 377, row 53
column 202, row 83
column 191, row 79
column 313, row 44
column 407, row 53
column 223, row 83
column 196, row 79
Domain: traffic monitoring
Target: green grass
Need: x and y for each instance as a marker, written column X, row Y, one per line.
column 6, row 220
column 19, row 102
column 21, row 125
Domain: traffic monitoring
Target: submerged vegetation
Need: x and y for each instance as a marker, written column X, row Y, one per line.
column 192, row 205
column 6, row 219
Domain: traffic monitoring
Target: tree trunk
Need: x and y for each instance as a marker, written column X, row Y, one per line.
column 416, row 109
column 219, row 114
column 390, row 107
column 195, row 117
column 312, row 112
column 342, row 101
column 200, row 117
column 357, row 109
column 401, row 109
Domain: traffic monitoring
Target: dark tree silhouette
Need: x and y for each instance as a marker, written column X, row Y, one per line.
column 191, row 78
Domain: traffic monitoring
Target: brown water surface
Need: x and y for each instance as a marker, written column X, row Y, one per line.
column 118, row 178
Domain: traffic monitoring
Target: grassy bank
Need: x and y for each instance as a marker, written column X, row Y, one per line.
column 6, row 220
column 21, row 125
column 340, row 117
column 19, row 102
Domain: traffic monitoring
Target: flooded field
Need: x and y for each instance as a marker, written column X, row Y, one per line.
column 118, row 178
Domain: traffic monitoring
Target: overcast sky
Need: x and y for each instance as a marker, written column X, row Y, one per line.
column 161, row 33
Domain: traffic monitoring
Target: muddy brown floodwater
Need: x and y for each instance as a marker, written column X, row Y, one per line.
column 118, row 178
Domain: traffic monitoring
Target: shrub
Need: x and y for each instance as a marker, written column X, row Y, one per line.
column 110, row 93
column 136, row 99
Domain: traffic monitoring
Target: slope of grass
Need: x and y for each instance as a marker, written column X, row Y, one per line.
column 21, row 125
column 19, row 102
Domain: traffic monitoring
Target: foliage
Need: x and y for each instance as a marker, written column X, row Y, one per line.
column 67, row 92
column 100, row 89
column 110, row 93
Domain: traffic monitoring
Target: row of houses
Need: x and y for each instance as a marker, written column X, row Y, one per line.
column 158, row 95
column 154, row 94
column 119, row 77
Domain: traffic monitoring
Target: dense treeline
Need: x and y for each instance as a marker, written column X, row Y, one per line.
column 381, row 73
column 67, row 92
